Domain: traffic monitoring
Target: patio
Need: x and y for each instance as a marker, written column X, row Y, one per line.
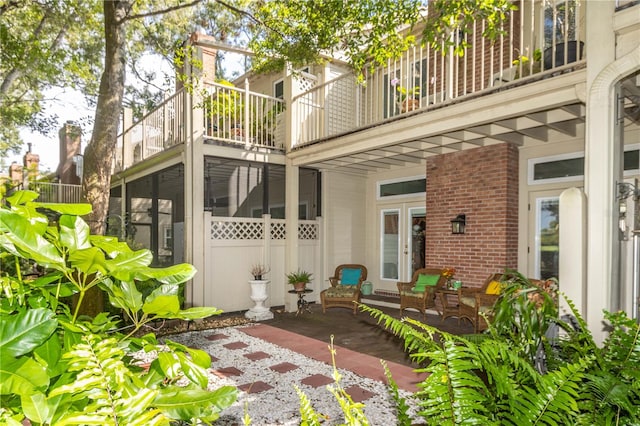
column 266, row 360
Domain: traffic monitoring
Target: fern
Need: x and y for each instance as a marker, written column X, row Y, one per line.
column 307, row 413
column 403, row 418
column 107, row 386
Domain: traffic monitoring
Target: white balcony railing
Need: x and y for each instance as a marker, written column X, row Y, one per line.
column 238, row 116
column 157, row 131
column 539, row 37
column 56, row 192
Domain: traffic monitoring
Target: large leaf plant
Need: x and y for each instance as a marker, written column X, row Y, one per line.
column 58, row 367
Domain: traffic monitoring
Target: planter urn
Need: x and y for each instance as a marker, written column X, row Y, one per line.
column 259, row 312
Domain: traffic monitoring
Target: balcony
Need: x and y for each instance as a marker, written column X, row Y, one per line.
column 541, row 40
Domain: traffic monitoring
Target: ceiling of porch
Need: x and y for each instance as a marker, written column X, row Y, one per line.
column 539, row 113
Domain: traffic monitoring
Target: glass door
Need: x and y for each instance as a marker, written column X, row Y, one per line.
column 402, row 241
column 390, row 244
column 544, row 234
column 416, row 238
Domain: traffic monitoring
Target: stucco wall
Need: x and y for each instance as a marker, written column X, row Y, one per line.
column 483, row 184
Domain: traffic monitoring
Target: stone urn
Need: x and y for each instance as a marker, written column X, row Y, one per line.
column 259, row 294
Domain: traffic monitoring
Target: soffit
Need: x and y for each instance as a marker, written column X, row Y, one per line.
column 535, row 114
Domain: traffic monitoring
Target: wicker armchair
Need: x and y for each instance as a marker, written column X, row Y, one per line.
column 476, row 301
column 344, row 295
column 420, row 300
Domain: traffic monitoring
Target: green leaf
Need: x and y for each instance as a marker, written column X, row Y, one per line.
column 21, row 376
column 31, row 244
column 175, row 274
column 89, row 261
column 110, row 245
column 74, row 232
column 166, row 306
column 22, row 197
column 124, row 296
column 77, row 209
column 184, row 404
column 25, row 331
column 35, row 407
column 198, row 312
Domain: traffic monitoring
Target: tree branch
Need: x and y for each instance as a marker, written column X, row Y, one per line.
column 250, row 16
column 161, row 11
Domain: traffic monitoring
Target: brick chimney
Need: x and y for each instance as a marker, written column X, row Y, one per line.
column 31, row 162
column 209, row 55
column 70, row 141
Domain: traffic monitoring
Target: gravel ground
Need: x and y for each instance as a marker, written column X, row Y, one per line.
column 279, row 405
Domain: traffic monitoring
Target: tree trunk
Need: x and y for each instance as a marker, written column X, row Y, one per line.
column 98, row 156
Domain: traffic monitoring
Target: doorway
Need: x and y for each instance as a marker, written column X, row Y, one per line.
column 402, row 241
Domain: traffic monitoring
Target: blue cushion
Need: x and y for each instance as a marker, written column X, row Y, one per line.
column 350, row 276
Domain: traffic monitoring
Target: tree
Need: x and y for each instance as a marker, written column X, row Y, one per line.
column 45, row 44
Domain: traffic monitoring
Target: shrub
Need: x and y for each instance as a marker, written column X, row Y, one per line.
column 59, row 367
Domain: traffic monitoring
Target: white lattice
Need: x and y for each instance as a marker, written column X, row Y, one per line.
column 308, row 231
column 278, row 231
column 236, row 230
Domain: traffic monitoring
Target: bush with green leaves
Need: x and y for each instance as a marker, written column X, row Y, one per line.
column 496, row 378
column 59, row 367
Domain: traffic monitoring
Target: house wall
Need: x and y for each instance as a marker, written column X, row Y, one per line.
column 483, row 184
column 345, row 213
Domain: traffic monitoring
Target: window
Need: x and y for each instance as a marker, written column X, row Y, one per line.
column 570, row 167
column 278, row 89
column 402, row 188
column 167, row 238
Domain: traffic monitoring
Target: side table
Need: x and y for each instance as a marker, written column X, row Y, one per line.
column 449, row 307
column 303, row 304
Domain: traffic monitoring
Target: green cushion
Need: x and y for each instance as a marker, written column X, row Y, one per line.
column 425, row 281
column 350, row 276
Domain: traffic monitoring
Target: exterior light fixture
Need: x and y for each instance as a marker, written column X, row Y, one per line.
column 458, row 224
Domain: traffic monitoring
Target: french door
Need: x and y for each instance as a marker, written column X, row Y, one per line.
column 402, row 241
column 544, row 234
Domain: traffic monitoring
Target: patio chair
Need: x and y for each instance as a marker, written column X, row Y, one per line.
column 345, row 287
column 420, row 292
column 474, row 301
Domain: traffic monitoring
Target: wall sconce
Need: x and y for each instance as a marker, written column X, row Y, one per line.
column 458, row 224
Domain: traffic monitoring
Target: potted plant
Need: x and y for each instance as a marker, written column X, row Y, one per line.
column 259, row 293
column 408, row 98
column 258, row 270
column 299, row 279
column 524, row 66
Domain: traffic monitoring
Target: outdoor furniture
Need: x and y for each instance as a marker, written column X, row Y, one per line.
column 449, row 308
column 476, row 301
column 345, row 287
column 420, row 292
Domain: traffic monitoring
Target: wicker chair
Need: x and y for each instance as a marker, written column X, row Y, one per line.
column 420, row 300
column 474, row 301
column 341, row 295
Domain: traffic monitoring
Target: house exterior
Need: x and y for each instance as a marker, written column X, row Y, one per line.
column 534, row 140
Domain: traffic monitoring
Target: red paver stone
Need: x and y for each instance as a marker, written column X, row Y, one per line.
column 217, row 336
column 283, row 367
column 255, row 356
column 213, row 358
column 317, row 380
column 255, row 387
column 358, row 394
column 235, row 345
column 227, row 371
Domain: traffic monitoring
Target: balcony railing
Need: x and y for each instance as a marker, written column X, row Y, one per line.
column 238, row 116
column 539, row 37
column 56, row 192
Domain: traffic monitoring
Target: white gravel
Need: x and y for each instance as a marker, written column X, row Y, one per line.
column 280, row 405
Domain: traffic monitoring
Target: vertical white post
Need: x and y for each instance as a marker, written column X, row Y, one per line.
column 572, row 247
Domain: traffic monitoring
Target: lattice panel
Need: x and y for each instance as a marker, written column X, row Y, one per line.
column 278, row 231
column 236, row 230
column 306, row 84
column 307, row 231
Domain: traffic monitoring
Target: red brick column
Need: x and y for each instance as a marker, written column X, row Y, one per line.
column 482, row 183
